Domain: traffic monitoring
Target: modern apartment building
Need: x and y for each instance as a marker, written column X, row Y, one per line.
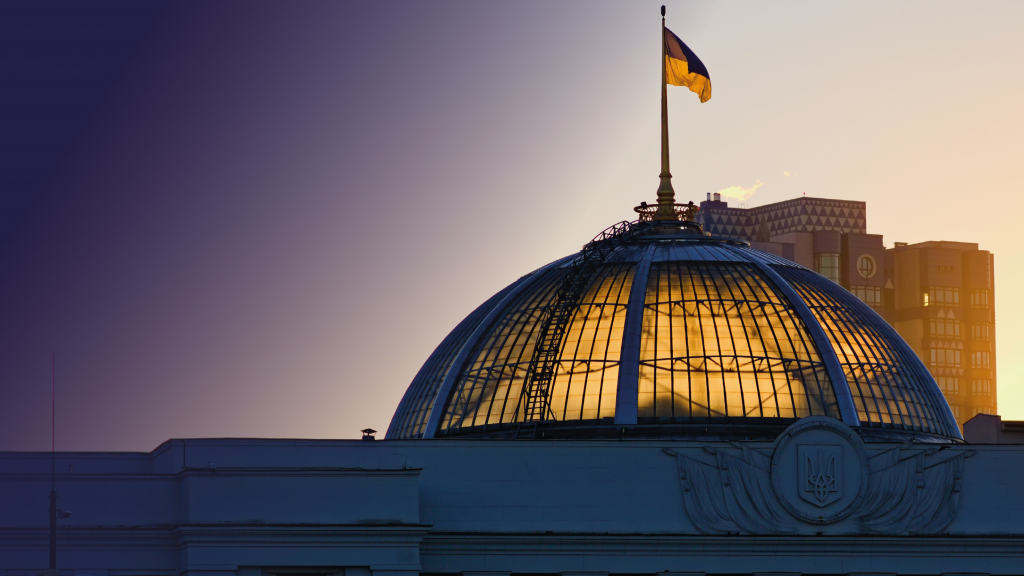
column 942, row 302
column 940, row 296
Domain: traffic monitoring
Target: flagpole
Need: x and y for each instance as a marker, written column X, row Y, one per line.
column 666, row 195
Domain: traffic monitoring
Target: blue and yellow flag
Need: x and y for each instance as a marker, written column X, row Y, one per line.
column 683, row 68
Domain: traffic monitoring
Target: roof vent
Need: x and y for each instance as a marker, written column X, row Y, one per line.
column 368, row 434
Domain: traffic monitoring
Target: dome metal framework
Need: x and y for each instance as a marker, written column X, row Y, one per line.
column 657, row 330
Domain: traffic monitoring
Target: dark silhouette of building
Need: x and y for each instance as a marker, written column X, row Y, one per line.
column 939, row 295
column 992, row 429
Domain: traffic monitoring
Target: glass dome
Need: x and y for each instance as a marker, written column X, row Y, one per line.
column 655, row 330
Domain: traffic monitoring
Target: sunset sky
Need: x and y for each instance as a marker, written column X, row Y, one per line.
column 259, row 218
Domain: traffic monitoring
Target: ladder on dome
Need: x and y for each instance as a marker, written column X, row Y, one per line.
column 535, row 401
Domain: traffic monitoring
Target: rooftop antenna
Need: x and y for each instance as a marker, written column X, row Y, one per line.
column 53, row 461
column 53, row 571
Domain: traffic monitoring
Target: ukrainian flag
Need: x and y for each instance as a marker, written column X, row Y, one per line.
column 683, row 68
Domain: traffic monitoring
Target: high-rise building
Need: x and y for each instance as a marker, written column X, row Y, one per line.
column 942, row 302
column 939, row 296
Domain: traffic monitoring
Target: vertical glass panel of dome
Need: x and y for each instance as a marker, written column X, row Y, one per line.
column 889, row 385
column 586, row 379
column 490, row 387
column 488, row 393
column 411, row 416
column 719, row 342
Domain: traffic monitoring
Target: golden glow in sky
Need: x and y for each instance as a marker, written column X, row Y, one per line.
column 274, row 216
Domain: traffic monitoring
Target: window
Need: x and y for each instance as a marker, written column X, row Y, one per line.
column 827, row 264
column 947, row 358
column 940, row 296
column 982, row 410
column 956, row 412
column 948, row 384
column 979, row 360
column 944, row 328
column 871, row 295
column 979, row 298
column 983, row 386
column 980, row 331
column 866, row 266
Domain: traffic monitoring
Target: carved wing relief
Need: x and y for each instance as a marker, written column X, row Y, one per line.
column 730, row 494
column 911, row 490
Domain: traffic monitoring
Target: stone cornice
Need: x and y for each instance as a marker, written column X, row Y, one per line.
column 124, row 538
column 357, row 535
column 297, row 471
column 87, row 538
column 951, row 546
column 208, row 471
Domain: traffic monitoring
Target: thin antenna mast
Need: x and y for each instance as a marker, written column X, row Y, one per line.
column 53, row 461
column 53, row 421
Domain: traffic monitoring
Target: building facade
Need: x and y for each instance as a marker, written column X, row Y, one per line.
column 942, row 301
column 662, row 402
column 223, row 507
column 940, row 296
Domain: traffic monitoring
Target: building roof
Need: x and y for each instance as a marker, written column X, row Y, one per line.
column 941, row 244
column 803, row 214
column 657, row 330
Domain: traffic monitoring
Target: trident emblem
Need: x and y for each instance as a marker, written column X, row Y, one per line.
column 821, row 476
column 820, row 473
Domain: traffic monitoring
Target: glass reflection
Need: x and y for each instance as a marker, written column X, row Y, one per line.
column 585, row 382
column 411, row 419
column 888, row 387
column 719, row 342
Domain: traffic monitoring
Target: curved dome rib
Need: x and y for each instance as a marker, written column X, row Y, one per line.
column 444, row 388
column 535, row 399
column 835, row 371
column 676, row 334
column 488, row 391
column 629, row 363
column 722, row 344
column 410, row 419
column 888, row 383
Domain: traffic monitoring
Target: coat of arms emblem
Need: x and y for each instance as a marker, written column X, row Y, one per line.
column 821, row 475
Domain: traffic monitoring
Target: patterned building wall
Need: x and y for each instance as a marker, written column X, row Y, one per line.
column 797, row 215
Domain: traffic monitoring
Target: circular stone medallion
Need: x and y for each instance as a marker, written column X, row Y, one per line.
column 819, row 470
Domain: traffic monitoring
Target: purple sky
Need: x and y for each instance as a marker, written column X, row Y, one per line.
column 259, row 218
